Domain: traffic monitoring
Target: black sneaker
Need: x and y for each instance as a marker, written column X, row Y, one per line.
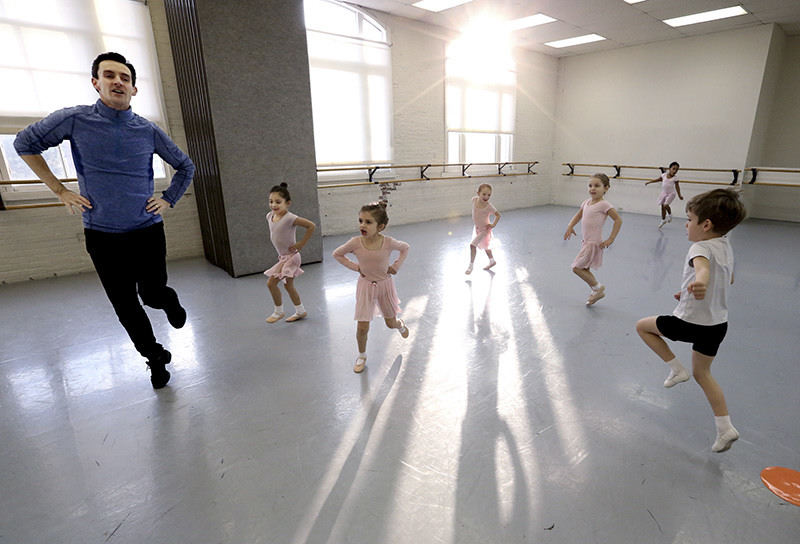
column 176, row 315
column 159, row 376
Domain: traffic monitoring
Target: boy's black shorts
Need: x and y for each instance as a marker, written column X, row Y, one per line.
column 705, row 339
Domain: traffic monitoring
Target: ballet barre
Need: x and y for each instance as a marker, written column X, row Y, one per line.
column 755, row 170
column 371, row 170
column 618, row 172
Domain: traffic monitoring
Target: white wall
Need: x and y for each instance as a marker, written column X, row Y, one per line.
column 692, row 100
column 781, row 141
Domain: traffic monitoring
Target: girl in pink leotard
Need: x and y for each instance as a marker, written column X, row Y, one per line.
column 481, row 212
column 375, row 291
column 593, row 213
column 282, row 227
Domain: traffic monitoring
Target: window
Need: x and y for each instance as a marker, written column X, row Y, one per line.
column 480, row 98
column 350, row 71
column 46, row 51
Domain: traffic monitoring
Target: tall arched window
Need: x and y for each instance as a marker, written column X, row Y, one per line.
column 351, row 84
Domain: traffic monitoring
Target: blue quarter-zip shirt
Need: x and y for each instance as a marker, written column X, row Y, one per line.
column 113, row 155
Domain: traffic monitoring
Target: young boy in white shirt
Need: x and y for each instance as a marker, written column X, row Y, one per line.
column 701, row 316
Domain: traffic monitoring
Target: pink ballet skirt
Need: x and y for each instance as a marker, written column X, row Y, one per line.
column 590, row 256
column 288, row 266
column 666, row 198
column 376, row 298
column 482, row 237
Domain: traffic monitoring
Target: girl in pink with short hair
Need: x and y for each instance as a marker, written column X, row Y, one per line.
column 482, row 210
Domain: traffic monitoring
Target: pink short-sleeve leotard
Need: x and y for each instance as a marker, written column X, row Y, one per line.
column 594, row 215
column 375, row 291
column 480, row 216
column 282, row 233
column 668, row 192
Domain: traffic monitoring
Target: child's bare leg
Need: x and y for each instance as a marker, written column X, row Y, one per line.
column 299, row 309
column 394, row 323
column 272, row 284
column 648, row 331
column 586, row 275
column 362, row 330
column 361, row 339
column 726, row 432
column 472, row 251
column 277, row 314
column 701, row 369
column 491, row 260
column 663, row 211
column 666, row 209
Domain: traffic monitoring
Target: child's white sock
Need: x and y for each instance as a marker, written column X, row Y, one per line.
column 278, row 309
column 726, row 434
column 677, row 374
column 492, row 262
column 469, row 269
column 276, row 315
column 299, row 309
column 597, row 286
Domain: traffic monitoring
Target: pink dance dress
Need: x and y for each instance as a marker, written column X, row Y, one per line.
column 594, row 215
column 483, row 232
column 668, row 192
column 282, row 233
column 375, row 292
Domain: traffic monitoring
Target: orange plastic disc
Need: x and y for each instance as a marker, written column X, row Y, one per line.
column 784, row 482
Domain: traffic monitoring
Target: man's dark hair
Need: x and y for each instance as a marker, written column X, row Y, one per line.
column 116, row 57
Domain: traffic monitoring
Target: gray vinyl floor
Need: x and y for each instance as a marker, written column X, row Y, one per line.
column 513, row 413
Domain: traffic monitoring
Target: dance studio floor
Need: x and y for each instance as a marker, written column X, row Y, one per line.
column 513, row 413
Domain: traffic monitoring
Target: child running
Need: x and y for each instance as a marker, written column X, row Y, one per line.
column 669, row 188
column 592, row 214
column 375, row 291
column 701, row 316
column 282, row 228
column 481, row 212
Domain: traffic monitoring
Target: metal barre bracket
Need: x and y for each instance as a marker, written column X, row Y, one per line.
column 372, row 171
column 662, row 169
column 735, row 176
column 464, row 169
column 617, row 168
column 422, row 170
column 752, row 181
column 500, row 168
column 2, row 204
column 571, row 169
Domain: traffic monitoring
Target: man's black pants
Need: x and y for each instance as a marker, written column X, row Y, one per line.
column 132, row 265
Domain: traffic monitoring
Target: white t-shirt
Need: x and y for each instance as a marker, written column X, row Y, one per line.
column 713, row 309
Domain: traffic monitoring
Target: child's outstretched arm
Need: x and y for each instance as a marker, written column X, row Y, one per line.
column 653, row 181
column 571, row 227
column 702, row 271
column 612, row 213
column 310, row 228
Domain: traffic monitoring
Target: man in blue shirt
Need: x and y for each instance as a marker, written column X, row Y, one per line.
column 112, row 149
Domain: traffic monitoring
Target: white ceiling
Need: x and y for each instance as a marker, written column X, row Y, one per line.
column 621, row 23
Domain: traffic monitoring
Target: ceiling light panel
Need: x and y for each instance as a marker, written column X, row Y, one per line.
column 439, row 5
column 706, row 16
column 578, row 40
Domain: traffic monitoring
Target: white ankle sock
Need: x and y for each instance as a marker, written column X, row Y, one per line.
column 723, row 423
column 299, row 309
column 279, row 309
column 675, row 365
column 597, row 286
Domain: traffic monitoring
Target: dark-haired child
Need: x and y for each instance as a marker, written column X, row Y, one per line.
column 670, row 187
column 282, row 231
column 701, row 316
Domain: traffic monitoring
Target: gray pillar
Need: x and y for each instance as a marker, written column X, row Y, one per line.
column 242, row 70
